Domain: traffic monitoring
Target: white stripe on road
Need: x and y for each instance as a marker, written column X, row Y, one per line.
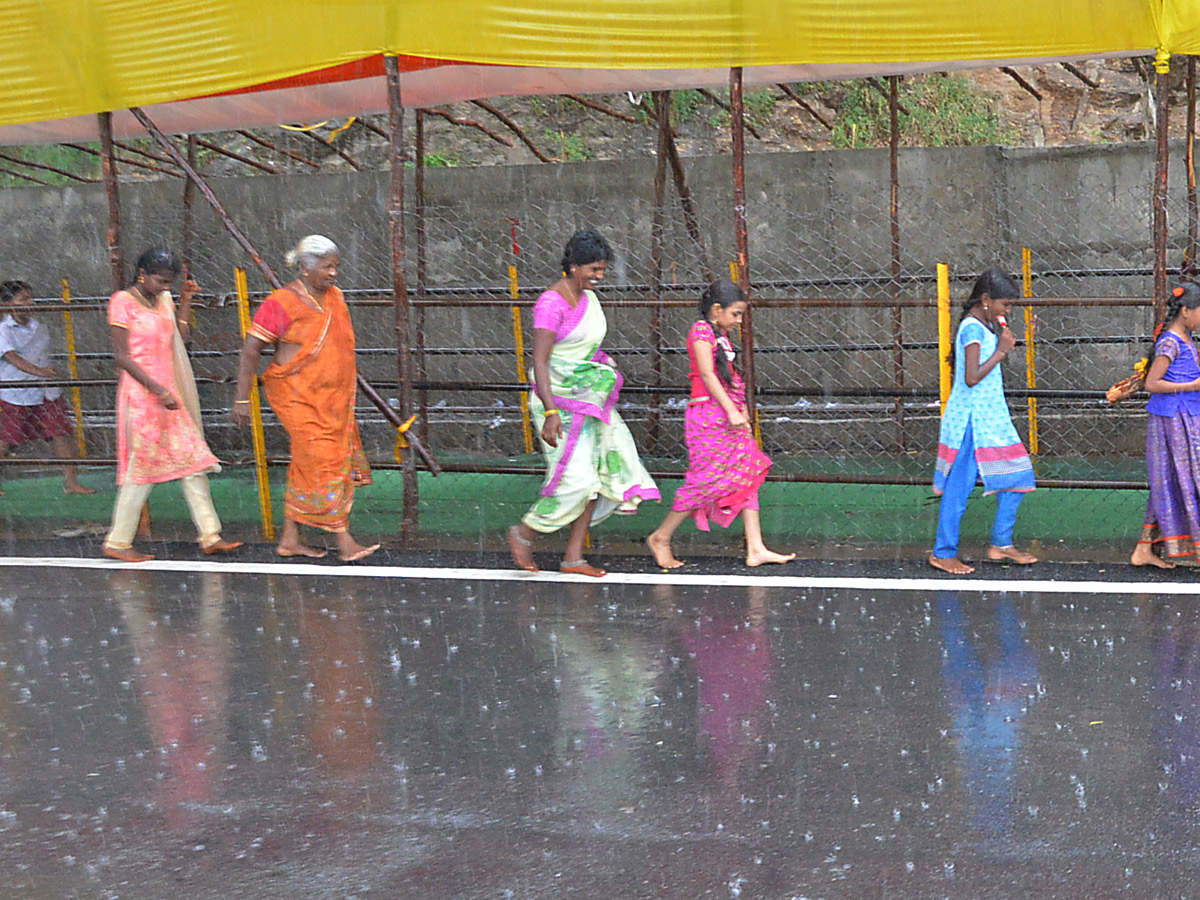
column 759, row 579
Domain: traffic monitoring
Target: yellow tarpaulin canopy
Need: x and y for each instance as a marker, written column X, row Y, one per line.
column 65, row 60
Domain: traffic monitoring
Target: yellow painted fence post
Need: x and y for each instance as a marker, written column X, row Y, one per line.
column 256, row 423
column 519, row 341
column 1030, row 351
column 945, row 375
column 73, row 369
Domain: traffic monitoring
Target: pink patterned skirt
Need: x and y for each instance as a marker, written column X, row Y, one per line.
column 725, row 467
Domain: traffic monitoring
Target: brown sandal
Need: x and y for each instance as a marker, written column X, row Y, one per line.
column 583, row 567
column 521, row 550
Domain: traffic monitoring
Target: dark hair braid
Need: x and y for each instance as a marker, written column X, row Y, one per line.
column 1186, row 294
column 995, row 282
column 724, row 293
column 159, row 261
column 586, row 247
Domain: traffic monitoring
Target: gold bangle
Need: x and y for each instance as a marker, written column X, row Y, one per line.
column 551, row 412
column 247, row 402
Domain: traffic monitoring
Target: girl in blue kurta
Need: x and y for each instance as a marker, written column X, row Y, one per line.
column 977, row 436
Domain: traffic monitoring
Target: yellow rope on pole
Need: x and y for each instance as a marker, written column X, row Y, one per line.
column 304, row 127
column 1030, row 351
column 519, row 341
column 945, row 374
column 73, row 368
column 256, row 423
column 401, row 440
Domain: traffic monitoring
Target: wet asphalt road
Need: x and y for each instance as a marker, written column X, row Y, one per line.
column 252, row 736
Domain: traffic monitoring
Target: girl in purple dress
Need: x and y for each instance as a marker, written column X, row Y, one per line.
column 1173, row 438
column 725, row 465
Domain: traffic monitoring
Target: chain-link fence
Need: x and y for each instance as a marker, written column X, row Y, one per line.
column 846, row 346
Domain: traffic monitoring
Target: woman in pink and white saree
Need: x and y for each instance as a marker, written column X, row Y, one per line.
column 592, row 464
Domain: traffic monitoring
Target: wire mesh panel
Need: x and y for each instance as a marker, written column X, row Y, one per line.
column 845, row 321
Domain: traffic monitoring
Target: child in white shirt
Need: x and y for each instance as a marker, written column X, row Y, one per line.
column 31, row 413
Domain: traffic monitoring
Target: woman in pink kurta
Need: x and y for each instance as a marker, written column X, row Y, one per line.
column 159, row 434
column 726, row 467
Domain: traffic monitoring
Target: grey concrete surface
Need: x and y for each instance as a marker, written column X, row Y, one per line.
column 235, row 736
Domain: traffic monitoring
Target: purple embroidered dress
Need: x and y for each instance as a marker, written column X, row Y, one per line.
column 725, row 465
column 1173, row 454
column 596, row 458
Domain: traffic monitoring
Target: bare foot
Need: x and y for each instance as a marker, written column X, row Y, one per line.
column 521, row 550
column 222, row 546
column 661, row 548
column 357, row 552
column 1144, row 555
column 298, row 549
column 582, row 567
column 77, row 488
column 1010, row 554
column 951, row 564
column 127, row 555
column 764, row 556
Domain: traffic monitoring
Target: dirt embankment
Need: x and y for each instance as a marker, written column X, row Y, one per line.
column 1095, row 101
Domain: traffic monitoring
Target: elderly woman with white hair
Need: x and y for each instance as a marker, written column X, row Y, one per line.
column 311, row 385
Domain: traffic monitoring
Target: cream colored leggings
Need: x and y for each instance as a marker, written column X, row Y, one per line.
column 132, row 497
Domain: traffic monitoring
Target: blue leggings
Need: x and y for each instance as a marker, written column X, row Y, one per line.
column 959, row 485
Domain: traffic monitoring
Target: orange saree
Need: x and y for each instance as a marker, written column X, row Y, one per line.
column 313, row 395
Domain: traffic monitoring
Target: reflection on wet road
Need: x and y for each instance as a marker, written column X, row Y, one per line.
column 236, row 736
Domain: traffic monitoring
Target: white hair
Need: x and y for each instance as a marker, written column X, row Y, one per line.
column 310, row 250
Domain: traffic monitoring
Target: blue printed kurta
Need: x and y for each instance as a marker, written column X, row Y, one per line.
column 1003, row 462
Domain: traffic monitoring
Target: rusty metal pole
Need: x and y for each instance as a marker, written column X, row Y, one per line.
column 268, row 273
column 690, row 220
column 662, row 110
column 108, row 166
column 419, row 214
column 189, row 192
column 1193, row 208
column 1162, row 101
column 738, row 126
column 894, row 214
column 408, row 522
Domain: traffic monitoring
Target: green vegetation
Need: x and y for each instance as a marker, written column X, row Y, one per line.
column 68, row 159
column 571, row 147
column 943, row 111
column 686, row 104
column 442, row 160
column 759, row 105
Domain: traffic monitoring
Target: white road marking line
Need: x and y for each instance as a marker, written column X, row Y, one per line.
column 811, row 582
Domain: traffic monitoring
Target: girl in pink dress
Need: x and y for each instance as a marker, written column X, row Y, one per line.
column 725, row 465
column 159, row 435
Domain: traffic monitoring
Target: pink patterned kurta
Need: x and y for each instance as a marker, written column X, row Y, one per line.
column 156, row 444
column 725, row 465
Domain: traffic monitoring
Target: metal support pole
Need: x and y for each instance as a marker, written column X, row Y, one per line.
column 738, row 116
column 108, row 166
column 514, row 292
column 1193, row 209
column 189, row 193
column 662, row 110
column 256, row 423
column 690, row 220
column 408, row 522
column 1035, row 446
column 945, row 374
column 1162, row 100
column 419, row 215
column 268, row 273
column 73, row 369
column 894, row 214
